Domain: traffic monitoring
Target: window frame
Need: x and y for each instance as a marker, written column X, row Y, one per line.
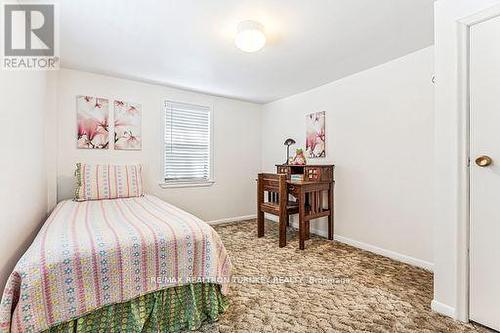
column 195, row 182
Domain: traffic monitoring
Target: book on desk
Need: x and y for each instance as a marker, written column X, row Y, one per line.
column 297, row 178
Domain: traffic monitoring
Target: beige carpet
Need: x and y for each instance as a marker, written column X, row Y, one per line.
column 360, row 291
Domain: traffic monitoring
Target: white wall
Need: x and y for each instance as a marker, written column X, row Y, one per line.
column 449, row 271
column 379, row 127
column 27, row 101
column 236, row 138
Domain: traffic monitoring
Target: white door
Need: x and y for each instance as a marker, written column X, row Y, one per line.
column 485, row 177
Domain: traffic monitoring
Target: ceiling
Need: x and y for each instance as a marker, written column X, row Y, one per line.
column 190, row 43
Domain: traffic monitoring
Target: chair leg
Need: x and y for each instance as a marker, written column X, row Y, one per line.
column 308, row 230
column 260, row 224
column 302, row 221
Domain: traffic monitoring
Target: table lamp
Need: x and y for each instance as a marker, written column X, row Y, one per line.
column 288, row 143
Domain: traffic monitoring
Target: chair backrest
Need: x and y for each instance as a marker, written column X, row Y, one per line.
column 275, row 186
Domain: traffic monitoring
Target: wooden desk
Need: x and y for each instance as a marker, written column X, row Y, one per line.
column 318, row 179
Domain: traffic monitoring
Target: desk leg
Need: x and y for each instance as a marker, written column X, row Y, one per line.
column 282, row 227
column 283, row 217
column 330, row 217
column 302, row 222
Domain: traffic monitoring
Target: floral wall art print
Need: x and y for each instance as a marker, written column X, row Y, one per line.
column 315, row 135
column 127, row 126
column 92, row 116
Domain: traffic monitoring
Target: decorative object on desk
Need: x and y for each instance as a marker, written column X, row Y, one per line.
column 299, row 158
column 127, row 126
column 288, row 143
column 315, row 135
column 92, row 116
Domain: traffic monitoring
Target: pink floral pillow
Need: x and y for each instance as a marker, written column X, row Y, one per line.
column 105, row 181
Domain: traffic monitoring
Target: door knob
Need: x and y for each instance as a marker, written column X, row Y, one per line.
column 483, row 161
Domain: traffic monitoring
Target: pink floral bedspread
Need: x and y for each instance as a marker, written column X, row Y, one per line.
column 94, row 253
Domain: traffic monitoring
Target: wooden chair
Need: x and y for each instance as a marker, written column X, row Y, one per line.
column 277, row 203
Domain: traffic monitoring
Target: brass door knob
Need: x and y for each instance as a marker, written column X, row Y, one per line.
column 483, row 161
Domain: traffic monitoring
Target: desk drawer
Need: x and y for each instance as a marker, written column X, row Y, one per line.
column 318, row 173
column 283, row 170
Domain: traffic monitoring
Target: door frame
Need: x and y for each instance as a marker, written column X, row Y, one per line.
column 463, row 108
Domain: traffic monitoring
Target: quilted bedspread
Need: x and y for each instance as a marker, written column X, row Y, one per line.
column 94, row 253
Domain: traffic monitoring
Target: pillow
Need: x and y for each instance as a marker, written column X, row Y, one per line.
column 95, row 182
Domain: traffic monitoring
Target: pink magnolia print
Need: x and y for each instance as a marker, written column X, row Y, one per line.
column 315, row 135
column 127, row 126
column 92, row 117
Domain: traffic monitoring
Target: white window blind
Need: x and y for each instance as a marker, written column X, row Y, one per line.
column 187, row 142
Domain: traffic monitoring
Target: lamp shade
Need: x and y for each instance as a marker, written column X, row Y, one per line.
column 288, row 142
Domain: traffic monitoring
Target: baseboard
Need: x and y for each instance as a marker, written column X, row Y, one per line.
column 232, row 219
column 386, row 253
column 370, row 248
column 443, row 309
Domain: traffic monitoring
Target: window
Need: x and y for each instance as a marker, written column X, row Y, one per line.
column 188, row 152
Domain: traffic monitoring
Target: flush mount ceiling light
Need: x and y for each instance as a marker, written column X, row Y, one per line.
column 250, row 36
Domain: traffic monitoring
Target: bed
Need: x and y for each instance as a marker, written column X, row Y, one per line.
column 118, row 265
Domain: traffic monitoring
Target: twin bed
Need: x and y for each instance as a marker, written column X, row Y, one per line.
column 134, row 264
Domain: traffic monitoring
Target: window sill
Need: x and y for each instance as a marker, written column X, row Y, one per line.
column 187, row 184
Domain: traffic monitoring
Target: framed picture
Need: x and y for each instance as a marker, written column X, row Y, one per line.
column 92, row 117
column 127, row 118
column 315, row 135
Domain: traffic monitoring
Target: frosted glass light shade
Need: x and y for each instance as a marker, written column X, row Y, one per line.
column 250, row 36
